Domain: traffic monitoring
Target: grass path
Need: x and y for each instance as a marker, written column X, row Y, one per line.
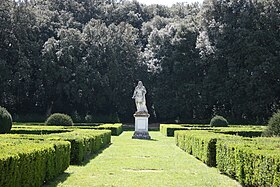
column 140, row 163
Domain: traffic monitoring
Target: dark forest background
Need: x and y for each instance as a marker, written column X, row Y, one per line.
column 84, row 58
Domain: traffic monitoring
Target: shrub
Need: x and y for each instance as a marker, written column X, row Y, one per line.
column 5, row 121
column 59, row 120
column 201, row 144
column 218, row 121
column 273, row 128
column 252, row 163
column 84, row 143
column 30, row 163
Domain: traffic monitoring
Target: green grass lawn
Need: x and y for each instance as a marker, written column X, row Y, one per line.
column 130, row 162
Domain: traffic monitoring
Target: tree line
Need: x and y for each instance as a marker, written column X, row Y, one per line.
column 84, row 58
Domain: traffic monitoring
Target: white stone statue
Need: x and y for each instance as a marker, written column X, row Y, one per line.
column 139, row 96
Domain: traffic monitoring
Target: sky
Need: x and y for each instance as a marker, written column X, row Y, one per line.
column 167, row 2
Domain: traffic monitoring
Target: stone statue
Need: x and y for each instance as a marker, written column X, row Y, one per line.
column 139, row 96
column 141, row 115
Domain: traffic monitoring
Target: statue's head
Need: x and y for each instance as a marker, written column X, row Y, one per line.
column 140, row 84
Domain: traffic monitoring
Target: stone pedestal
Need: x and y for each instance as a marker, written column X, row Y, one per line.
column 141, row 126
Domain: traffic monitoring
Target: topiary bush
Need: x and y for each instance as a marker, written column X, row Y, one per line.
column 59, row 120
column 5, row 121
column 273, row 128
column 218, row 121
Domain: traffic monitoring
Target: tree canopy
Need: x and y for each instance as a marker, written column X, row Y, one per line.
column 84, row 58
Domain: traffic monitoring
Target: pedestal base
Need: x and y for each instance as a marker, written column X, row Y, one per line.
column 141, row 126
column 141, row 135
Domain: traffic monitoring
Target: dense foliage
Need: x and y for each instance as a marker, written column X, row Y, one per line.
column 84, row 58
column 5, row 121
column 218, row 121
column 59, row 120
column 273, row 128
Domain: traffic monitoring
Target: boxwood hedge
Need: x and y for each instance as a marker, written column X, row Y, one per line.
column 83, row 142
column 201, row 144
column 252, row 161
column 169, row 129
column 116, row 129
column 32, row 163
column 245, row 131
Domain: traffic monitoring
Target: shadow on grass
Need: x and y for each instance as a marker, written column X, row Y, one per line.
column 63, row 177
column 60, row 179
column 155, row 140
column 92, row 156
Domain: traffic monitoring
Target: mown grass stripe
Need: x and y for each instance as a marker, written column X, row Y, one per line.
column 131, row 162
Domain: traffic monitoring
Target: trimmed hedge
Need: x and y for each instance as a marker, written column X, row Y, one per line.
column 241, row 131
column 29, row 126
column 201, row 144
column 169, row 129
column 32, row 163
column 116, row 129
column 83, row 142
column 37, row 131
column 248, row 133
column 252, row 161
